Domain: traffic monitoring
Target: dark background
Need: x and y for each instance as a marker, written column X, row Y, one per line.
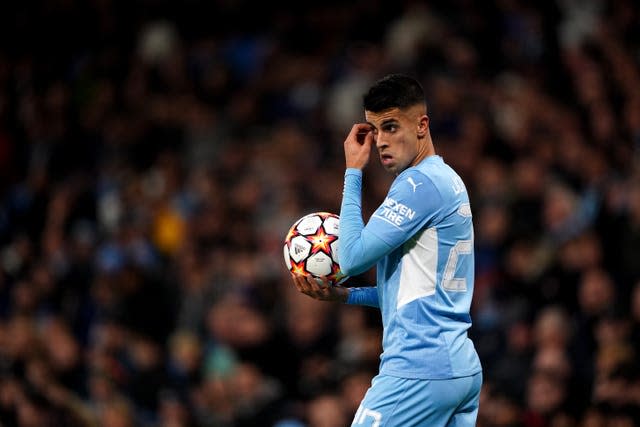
column 153, row 155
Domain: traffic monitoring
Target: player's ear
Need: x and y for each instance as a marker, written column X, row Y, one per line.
column 423, row 126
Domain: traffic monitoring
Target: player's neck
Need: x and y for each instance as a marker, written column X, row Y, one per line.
column 426, row 150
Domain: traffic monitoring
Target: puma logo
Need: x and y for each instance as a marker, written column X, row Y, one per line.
column 413, row 183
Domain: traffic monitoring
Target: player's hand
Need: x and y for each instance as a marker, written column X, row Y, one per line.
column 357, row 146
column 320, row 289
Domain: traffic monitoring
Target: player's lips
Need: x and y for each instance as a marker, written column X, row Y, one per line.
column 386, row 159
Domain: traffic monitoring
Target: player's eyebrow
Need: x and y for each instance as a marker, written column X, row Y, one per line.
column 384, row 123
column 389, row 122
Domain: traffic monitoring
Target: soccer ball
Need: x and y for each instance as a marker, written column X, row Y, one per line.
column 311, row 247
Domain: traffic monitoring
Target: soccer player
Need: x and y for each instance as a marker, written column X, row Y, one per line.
column 421, row 240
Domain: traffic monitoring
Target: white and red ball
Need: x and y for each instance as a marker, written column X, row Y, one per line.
column 311, row 246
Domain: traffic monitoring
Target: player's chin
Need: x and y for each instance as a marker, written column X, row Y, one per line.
column 389, row 166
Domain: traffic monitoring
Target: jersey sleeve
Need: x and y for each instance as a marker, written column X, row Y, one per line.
column 364, row 296
column 358, row 249
column 412, row 202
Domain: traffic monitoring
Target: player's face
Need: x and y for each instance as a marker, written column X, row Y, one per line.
column 396, row 135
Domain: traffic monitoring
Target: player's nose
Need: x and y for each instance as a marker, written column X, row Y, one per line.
column 380, row 142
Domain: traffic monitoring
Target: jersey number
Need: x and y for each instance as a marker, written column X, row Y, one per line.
column 449, row 282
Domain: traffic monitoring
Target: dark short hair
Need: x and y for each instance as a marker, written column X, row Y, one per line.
column 393, row 91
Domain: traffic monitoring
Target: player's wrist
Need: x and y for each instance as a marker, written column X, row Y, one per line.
column 343, row 294
column 353, row 171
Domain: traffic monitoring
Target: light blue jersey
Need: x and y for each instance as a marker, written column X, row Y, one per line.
column 421, row 237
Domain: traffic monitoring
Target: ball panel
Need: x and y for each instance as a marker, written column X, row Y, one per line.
column 331, row 225
column 309, row 224
column 334, row 251
column 287, row 260
column 319, row 264
column 299, row 249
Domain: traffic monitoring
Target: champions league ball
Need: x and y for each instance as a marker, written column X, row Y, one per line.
column 311, row 247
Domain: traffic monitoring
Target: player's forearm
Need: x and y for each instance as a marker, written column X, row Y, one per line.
column 351, row 223
column 358, row 249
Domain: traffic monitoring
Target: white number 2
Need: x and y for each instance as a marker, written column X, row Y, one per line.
column 449, row 282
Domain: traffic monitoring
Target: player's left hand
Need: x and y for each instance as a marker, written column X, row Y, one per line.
column 320, row 289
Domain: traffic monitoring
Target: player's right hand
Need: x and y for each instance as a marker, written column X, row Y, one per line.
column 357, row 146
column 320, row 289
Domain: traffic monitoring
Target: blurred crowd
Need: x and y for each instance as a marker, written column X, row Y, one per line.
column 153, row 155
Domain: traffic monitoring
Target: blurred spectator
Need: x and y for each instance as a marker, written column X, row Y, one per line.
column 327, row 410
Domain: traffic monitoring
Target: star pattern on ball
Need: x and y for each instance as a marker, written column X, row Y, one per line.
column 298, row 268
column 321, row 241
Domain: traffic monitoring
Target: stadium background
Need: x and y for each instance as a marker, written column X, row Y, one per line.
column 154, row 153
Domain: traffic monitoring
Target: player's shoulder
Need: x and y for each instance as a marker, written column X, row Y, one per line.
column 430, row 169
column 414, row 180
column 433, row 174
